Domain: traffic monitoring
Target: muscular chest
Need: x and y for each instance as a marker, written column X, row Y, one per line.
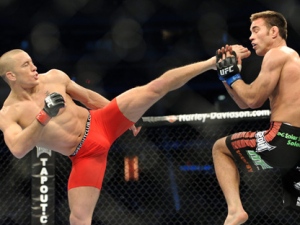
column 27, row 110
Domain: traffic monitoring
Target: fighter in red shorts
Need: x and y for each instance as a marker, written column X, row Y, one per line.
column 41, row 111
column 103, row 127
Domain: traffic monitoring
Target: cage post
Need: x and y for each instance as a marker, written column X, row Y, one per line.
column 42, row 186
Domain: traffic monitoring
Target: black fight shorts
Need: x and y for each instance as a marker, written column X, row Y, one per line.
column 277, row 147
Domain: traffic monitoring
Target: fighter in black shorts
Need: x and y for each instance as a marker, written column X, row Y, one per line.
column 277, row 147
column 278, row 82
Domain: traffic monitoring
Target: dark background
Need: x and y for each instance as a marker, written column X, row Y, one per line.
column 113, row 45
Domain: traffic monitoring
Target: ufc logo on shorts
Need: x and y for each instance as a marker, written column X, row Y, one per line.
column 226, row 70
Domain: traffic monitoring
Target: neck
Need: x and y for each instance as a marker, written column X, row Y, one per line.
column 24, row 93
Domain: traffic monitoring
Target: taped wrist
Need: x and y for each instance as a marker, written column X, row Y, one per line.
column 43, row 117
column 232, row 79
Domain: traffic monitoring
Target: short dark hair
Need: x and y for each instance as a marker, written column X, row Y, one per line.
column 272, row 18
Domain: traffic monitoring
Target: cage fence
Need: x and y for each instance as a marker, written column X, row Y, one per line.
column 164, row 176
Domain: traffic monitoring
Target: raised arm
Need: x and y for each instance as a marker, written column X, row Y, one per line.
column 255, row 94
column 21, row 140
column 241, row 104
column 91, row 99
column 88, row 98
column 241, row 52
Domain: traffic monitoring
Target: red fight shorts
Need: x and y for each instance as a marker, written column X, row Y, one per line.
column 89, row 164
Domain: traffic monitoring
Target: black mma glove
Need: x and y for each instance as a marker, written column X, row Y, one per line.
column 53, row 103
column 218, row 58
column 228, row 69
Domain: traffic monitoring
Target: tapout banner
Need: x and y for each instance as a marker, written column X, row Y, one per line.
column 43, row 186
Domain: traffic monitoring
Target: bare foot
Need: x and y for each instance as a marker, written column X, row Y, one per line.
column 241, row 51
column 236, row 218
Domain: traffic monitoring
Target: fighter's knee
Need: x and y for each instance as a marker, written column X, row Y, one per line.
column 158, row 87
column 79, row 220
column 219, row 147
column 218, row 144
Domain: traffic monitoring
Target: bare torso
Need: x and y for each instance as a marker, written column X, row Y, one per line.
column 285, row 99
column 62, row 133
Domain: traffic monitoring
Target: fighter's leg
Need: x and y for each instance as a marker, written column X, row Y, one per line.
column 82, row 202
column 135, row 102
column 85, row 181
column 229, row 179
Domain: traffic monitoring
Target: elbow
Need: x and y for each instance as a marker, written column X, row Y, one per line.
column 17, row 153
column 255, row 101
column 255, row 104
column 243, row 106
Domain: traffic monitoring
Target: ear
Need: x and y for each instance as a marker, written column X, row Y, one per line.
column 10, row 76
column 274, row 31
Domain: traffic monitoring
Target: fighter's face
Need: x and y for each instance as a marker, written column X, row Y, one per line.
column 260, row 37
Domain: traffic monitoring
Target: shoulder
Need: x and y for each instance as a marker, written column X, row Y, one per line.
column 281, row 52
column 9, row 114
column 277, row 57
column 55, row 75
column 9, row 102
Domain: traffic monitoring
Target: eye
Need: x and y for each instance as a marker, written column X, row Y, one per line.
column 25, row 64
column 254, row 30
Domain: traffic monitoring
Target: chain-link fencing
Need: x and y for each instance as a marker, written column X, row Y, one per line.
column 164, row 176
